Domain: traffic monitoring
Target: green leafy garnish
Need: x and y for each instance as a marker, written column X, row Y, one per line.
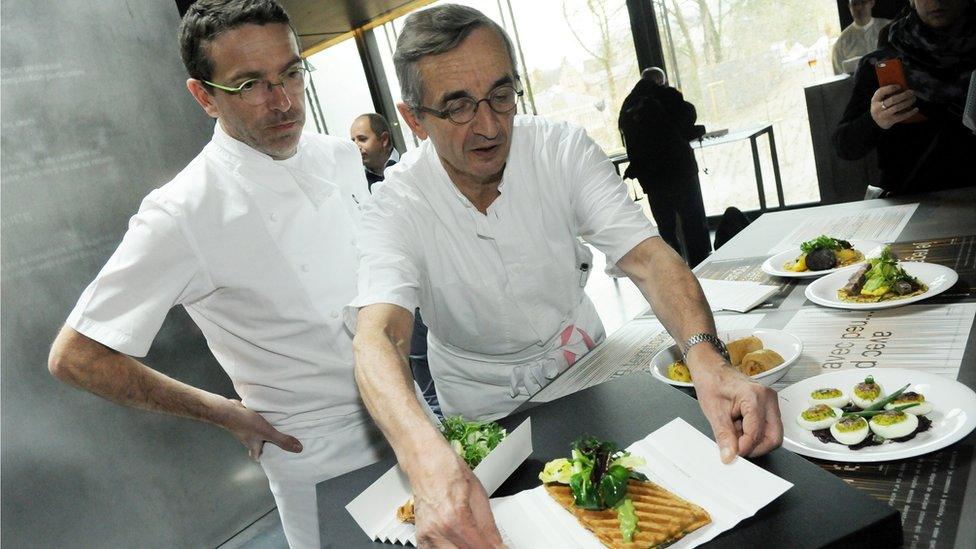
column 472, row 440
column 823, row 241
column 597, row 473
column 627, row 516
column 890, row 398
column 885, row 272
column 558, row 470
column 872, row 413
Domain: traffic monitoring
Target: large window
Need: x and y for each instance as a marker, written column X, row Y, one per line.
column 744, row 63
column 340, row 84
column 581, row 62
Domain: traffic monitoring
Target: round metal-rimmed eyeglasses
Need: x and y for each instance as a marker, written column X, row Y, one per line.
column 462, row 110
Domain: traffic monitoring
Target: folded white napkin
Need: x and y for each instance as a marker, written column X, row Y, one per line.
column 735, row 295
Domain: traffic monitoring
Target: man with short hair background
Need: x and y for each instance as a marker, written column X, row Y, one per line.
column 255, row 239
column 859, row 38
column 657, row 124
column 371, row 133
column 481, row 227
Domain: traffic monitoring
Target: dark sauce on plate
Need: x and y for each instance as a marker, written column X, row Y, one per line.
column 825, row 436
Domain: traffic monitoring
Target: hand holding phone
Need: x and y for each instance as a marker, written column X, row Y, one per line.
column 893, row 101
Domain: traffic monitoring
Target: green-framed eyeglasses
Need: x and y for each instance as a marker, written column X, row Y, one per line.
column 258, row 91
column 502, row 100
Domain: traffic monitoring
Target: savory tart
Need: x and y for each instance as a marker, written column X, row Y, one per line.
column 619, row 505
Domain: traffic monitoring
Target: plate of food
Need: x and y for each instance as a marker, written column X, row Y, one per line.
column 881, row 283
column 601, row 487
column 820, row 256
column 883, row 415
column 760, row 353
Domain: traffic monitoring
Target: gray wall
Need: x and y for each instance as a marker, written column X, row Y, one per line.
column 94, row 115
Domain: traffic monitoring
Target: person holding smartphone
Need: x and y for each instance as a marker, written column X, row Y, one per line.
column 909, row 97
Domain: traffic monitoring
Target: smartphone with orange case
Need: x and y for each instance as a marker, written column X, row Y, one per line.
column 891, row 71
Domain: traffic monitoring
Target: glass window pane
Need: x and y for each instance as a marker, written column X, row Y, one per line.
column 744, row 64
column 340, row 84
column 581, row 62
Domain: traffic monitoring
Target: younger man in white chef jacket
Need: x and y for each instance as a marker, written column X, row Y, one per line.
column 255, row 238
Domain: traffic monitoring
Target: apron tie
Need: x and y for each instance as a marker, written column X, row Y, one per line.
column 574, row 342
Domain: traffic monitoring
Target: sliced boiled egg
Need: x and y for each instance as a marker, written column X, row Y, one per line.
column 819, row 416
column 911, row 397
column 850, row 430
column 830, row 397
column 867, row 393
column 893, row 424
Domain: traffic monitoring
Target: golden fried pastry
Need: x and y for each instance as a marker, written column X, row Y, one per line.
column 405, row 512
column 759, row 361
column 662, row 517
column 741, row 347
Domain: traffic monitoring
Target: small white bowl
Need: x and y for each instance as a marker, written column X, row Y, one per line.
column 787, row 345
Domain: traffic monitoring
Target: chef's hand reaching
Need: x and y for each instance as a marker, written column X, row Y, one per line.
column 253, row 430
column 450, row 503
column 744, row 415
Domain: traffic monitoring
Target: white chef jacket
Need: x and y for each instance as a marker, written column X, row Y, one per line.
column 856, row 41
column 499, row 290
column 262, row 255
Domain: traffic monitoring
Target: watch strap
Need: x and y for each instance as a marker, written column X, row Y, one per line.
column 704, row 337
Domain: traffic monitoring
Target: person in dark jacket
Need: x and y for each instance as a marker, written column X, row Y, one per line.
column 657, row 124
column 918, row 132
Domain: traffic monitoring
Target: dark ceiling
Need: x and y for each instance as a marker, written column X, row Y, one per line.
column 321, row 23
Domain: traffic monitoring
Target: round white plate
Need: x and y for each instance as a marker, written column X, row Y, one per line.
column 953, row 417
column 787, row 345
column 774, row 265
column 937, row 277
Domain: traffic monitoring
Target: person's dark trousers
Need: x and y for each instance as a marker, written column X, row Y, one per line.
column 419, row 366
column 676, row 204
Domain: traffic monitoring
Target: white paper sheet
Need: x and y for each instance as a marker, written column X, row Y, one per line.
column 740, row 296
column 626, row 351
column 928, row 338
column 875, row 224
column 374, row 510
column 680, row 459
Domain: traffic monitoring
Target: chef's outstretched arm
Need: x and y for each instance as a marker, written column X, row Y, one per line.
column 450, row 504
column 744, row 415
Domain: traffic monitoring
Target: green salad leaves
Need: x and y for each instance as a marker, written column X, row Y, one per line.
column 472, row 440
column 597, row 475
column 885, row 272
column 823, row 241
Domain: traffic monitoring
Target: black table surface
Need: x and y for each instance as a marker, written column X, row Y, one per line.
column 819, row 510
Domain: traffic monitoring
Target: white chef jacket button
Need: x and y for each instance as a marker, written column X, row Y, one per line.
column 273, row 216
column 335, row 314
column 304, row 268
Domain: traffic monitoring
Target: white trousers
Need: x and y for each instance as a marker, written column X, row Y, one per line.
column 293, row 476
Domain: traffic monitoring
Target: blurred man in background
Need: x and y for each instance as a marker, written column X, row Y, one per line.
column 657, row 124
column 859, row 38
column 371, row 133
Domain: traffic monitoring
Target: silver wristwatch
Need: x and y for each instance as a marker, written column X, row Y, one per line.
column 704, row 338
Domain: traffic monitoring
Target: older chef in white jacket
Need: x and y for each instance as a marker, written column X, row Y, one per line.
column 255, row 238
column 480, row 227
